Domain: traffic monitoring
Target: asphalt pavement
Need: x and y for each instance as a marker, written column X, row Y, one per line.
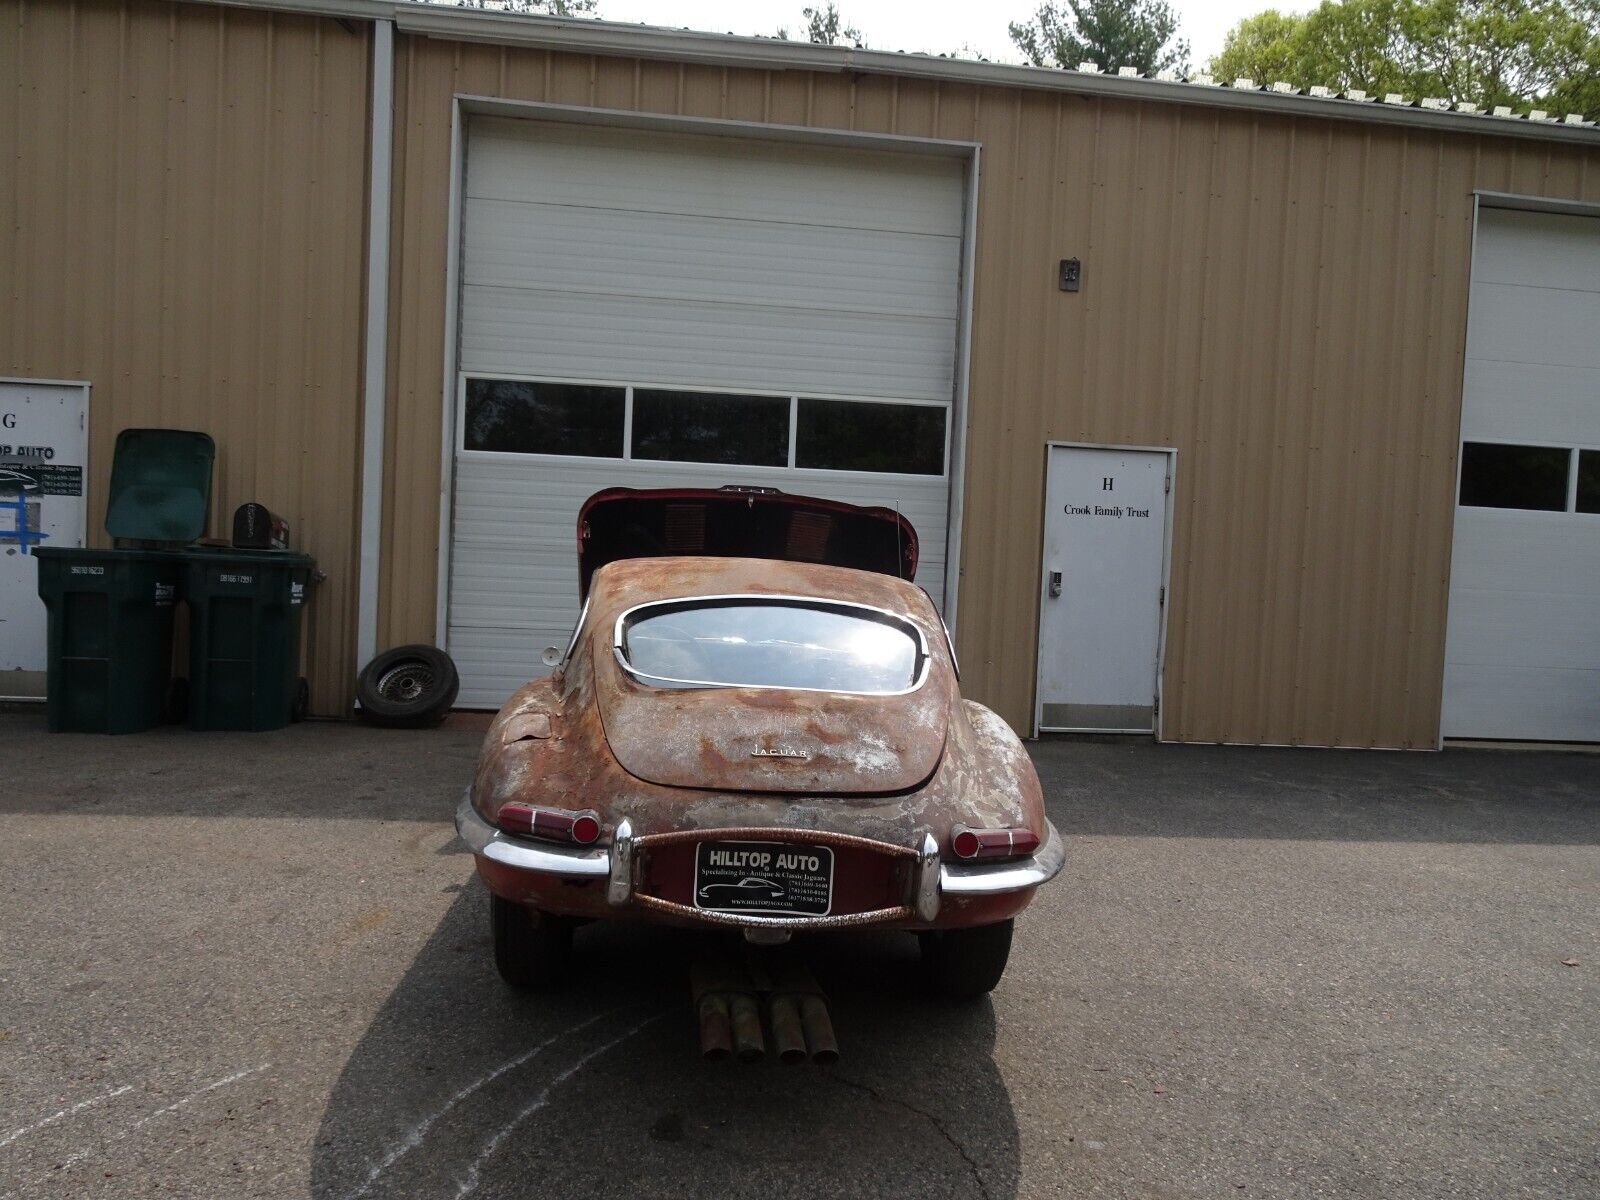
column 258, row 965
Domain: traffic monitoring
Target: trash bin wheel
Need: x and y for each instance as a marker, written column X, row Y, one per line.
column 176, row 706
column 408, row 687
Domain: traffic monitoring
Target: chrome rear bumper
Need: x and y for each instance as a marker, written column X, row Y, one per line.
column 934, row 878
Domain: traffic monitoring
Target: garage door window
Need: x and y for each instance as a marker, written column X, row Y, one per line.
column 1589, row 481
column 520, row 417
column 1494, row 475
column 843, row 435
column 684, row 425
column 709, row 427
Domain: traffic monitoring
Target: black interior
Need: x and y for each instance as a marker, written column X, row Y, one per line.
column 741, row 523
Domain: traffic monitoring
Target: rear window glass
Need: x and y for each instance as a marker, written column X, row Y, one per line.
column 772, row 643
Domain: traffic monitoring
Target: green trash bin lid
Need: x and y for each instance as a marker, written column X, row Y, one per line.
column 160, row 485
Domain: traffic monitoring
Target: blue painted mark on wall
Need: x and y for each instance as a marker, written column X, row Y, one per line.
column 25, row 537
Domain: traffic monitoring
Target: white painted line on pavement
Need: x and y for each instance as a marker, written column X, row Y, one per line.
column 470, row 1181
column 65, row 1112
column 414, row 1137
column 161, row 1112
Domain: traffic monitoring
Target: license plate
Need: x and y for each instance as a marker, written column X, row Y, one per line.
column 763, row 877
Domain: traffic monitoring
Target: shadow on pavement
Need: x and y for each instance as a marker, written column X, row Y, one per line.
column 1135, row 788
column 461, row 1087
column 322, row 769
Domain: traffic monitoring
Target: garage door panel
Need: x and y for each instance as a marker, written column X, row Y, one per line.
column 1529, row 402
column 1508, row 628
column 588, row 166
column 701, row 259
column 493, row 664
column 1527, row 703
column 1535, row 325
column 1538, row 249
column 1527, row 552
column 564, row 335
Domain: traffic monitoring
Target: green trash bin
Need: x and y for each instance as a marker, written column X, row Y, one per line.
column 244, row 636
column 110, row 640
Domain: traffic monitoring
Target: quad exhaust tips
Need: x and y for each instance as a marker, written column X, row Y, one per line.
column 729, row 1002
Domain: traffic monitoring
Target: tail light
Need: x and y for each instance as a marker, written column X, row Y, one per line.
column 992, row 843
column 552, row 825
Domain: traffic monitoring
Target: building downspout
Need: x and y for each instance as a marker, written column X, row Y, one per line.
column 376, row 339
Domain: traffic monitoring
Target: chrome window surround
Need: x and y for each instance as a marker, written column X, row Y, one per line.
column 849, row 607
column 572, row 642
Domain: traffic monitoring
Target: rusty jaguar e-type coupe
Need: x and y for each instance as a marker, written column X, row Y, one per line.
column 757, row 726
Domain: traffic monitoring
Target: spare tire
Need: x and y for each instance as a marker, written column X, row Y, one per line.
column 409, row 687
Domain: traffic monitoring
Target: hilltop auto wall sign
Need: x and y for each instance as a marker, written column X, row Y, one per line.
column 43, row 452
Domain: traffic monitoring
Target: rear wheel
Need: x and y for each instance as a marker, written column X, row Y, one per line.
column 966, row 963
column 532, row 949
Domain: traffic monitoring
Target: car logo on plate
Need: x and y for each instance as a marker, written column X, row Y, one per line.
column 779, row 753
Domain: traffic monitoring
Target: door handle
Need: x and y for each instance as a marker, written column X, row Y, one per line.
column 1055, row 584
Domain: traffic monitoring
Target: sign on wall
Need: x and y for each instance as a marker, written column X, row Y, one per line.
column 43, row 455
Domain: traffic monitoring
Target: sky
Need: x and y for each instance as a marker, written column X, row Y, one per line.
column 933, row 25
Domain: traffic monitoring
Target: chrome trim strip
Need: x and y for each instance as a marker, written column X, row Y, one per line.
column 905, row 624
column 581, row 862
column 932, row 878
column 977, row 879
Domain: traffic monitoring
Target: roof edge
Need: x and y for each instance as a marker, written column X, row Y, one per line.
column 613, row 38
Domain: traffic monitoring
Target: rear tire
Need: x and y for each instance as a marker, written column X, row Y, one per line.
column 532, row 949
column 964, row 964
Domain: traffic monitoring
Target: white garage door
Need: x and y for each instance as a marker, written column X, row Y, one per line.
column 1522, row 655
column 671, row 310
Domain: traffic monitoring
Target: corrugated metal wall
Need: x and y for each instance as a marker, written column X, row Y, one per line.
column 1281, row 299
column 184, row 208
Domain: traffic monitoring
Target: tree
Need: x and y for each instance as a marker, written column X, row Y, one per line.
column 1110, row 33
column 1519, row 53
column 825, row 27
column 551, row 8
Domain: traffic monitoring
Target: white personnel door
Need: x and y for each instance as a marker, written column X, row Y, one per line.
column 43, row 449
column 1101, row 592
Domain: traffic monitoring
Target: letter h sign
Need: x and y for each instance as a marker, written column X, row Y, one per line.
column 1107, row 483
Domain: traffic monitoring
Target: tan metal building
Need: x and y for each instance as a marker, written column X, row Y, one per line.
column 426, row 274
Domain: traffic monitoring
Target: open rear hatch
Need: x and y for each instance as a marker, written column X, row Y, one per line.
column 735, row 522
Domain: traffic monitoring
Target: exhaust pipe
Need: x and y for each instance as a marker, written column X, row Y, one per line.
column 818, row 1026
column 747, row 1038
column 716, row 1030
column 728, row 1001
column 788, row 1031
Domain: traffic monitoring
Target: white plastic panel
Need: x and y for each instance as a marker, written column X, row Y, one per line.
column 668, row 259
column 514, row 566
column 1522, row 651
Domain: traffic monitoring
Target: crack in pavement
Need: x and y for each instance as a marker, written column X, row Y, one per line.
column 944, row 1132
